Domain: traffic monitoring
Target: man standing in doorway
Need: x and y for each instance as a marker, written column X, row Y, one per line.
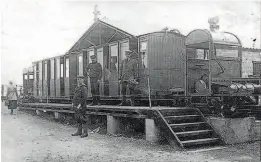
column 94, row 70
column 79, row 106
column 128, row 77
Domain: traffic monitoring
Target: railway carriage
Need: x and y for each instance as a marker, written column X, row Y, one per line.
column 202, row 69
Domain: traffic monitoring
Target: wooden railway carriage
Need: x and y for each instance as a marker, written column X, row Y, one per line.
column 172, row 68
column 104, row 41
column 162, row 63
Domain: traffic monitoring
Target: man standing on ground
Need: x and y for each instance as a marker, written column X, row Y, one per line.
column 94, row 70
column 128, row 77
column 79, row 106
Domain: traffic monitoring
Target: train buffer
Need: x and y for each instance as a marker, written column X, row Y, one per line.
column 183, row 127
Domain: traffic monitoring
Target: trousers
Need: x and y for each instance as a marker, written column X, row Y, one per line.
column 82, row 120
column 95, row 89
column 131, row 87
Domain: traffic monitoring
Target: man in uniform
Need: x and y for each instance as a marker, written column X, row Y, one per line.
column 128, row 76
column 79, row 106
column 95, row 73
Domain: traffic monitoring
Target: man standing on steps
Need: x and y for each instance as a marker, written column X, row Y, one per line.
column 94, row 70
column 128, row 77
column 79, row 106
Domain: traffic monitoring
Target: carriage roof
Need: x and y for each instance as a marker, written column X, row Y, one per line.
column 204, row 37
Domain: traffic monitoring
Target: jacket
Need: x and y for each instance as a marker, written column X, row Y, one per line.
column 129, row 69
column 11, row 93
column 80, row 96
column 95, row 70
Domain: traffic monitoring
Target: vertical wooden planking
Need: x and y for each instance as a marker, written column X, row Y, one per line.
column 62, row 75
column 40, row 83
column 35, row 80
column 52, row 77
column 70, row 74
column 58, row 77
column 166, row 62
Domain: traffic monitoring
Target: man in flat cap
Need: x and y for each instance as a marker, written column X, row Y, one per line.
column 94, row 70
column 128, row 77
column 79, row 106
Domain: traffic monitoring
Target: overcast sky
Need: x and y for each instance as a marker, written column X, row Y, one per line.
column 37, row 29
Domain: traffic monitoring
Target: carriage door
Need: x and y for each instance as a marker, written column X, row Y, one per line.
column 114, row 68
column 124, row 46
column 100, row 60
column 89, row 54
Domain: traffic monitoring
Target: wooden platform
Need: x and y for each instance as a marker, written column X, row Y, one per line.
column 181, row 126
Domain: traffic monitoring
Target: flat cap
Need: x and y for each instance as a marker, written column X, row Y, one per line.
column 80, row 76
column 93, row 56
column 128, row 52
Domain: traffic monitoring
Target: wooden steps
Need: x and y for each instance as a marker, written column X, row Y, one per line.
column 200, row 141
column 186, row 128
column 193, row 132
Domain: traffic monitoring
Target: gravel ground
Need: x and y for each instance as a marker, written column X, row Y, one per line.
column 31, row 138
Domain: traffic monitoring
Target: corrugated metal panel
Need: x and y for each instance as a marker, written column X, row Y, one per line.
column 166, row 64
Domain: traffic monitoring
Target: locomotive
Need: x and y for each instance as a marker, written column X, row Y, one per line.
column 202, row 69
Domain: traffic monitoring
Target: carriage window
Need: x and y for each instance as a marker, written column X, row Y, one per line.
column 114, row 57
column 25, row 77
column 80, row 64
column 90, row 54
column 202, row 54
column 67, row 68
column 144, row 54
column 123, row 47
column 61, row 70
column 227, row 52
column 31, row 76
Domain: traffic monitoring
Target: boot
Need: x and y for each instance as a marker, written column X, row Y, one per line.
column 79, row 131
column 85, row 131
column 132, row 101
column 98, row 100
column 12, row 111
column 123, row 101
column 94, row 101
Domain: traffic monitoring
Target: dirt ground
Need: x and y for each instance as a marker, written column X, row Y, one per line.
column 30, row 138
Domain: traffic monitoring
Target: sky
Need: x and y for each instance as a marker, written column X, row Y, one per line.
column 36, row 29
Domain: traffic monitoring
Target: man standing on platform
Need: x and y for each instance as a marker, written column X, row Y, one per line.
column 128, row 77
column 94, row 70
column 79, row 106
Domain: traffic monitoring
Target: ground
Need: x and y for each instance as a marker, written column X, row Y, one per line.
column 30, row 138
